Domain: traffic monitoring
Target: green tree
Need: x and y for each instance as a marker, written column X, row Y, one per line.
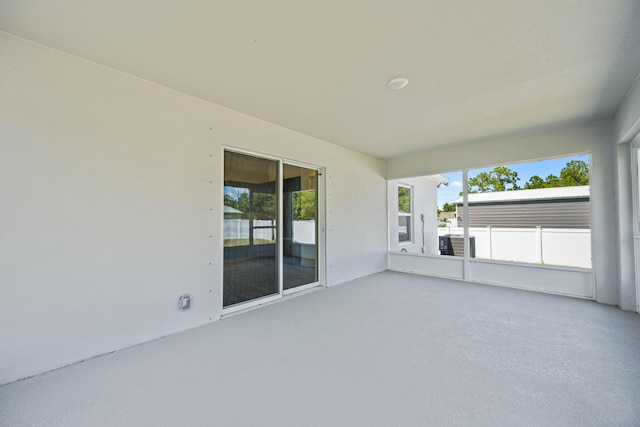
column 264, row 206
column 304, row 205
column 404, row 199
column 576, row 172
column 239, row 202
column 535, row 182
column 552, row 181
column 229, row 201
column 501, row 178
column 449, row 207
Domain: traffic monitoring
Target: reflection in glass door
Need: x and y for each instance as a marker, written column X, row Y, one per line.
column 250, row 228
column 300, row 226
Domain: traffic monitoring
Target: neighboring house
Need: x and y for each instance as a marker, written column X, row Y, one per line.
column 446, row 219
column 550, row 226
column 529, row 208
column 232, row 213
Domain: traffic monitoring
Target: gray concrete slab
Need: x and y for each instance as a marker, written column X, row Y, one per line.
column 388, row 349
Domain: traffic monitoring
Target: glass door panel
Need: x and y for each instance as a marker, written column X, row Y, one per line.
column 300, row 226
column 250, row 228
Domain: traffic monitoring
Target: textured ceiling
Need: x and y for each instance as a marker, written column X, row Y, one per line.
column 476, row 69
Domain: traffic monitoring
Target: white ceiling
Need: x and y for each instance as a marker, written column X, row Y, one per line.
column 476, row 69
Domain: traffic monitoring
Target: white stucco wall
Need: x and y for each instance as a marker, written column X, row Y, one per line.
column 111, row 190
column 626, row 124
column 424, row 202
column 594, row 138
column 626, row 133
column 627, row 256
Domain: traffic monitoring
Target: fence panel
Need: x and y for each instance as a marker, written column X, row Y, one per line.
column 303, row 231
column 553, row 246
column 515, row 244
column 566, row 247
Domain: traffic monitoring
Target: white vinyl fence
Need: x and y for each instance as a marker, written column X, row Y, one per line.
column 552, row 246
column 303, row 231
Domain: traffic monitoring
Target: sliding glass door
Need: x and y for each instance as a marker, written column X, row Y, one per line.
column 300, row 222
column 270, row 228
column 250, row 228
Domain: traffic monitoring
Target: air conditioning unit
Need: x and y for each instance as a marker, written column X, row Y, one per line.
column 453, row 245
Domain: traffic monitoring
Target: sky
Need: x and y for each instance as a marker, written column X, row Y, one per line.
column 542, row 168
column 234, row 192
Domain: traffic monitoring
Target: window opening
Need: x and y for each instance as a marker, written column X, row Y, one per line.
column 405, row 219
column 531, row 212
column 535, row 212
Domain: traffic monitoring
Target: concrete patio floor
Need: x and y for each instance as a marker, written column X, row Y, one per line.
column 390, row 349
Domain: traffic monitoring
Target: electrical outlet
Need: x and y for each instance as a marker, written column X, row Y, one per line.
column 185, row 302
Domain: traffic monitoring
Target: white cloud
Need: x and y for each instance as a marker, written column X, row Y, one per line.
column 455, row 184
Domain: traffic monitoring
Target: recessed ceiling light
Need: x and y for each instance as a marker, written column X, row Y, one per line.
column 398, row 83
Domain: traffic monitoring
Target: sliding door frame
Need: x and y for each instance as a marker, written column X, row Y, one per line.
column 321, row 227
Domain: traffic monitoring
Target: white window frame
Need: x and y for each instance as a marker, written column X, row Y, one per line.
column 404, row 214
